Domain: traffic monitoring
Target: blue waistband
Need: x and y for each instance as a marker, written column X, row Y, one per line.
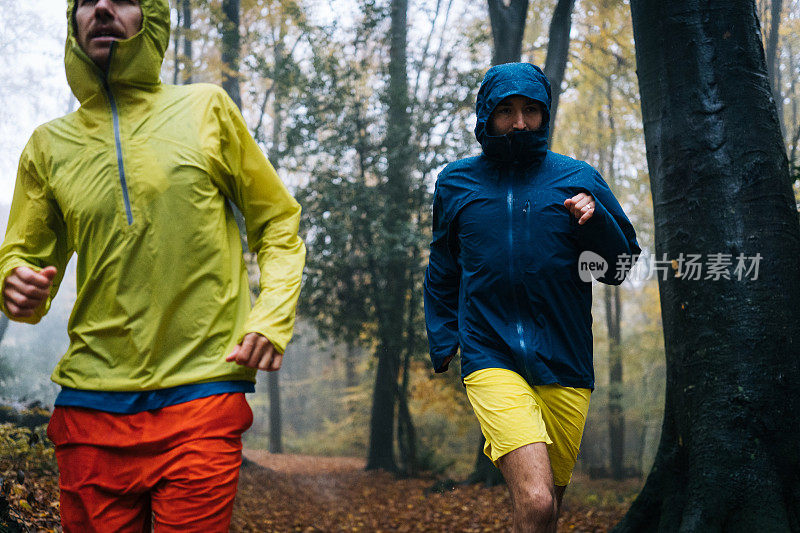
column 138, row 401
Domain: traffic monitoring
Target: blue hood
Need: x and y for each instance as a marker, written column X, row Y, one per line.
column 506, row 80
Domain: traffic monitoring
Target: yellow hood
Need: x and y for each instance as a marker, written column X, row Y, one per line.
column 135, row 62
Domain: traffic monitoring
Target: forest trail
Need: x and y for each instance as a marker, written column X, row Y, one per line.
column 284, row 492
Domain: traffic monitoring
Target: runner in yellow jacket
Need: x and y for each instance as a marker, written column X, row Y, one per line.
column 135, row 183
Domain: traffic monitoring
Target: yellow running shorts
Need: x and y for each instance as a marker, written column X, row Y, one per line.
column 512, row 414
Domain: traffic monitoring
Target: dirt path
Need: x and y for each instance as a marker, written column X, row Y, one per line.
column 307, row 493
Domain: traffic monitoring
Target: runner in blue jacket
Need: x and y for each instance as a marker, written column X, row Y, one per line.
column 503, row 285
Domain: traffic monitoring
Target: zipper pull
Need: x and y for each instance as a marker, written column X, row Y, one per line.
column 527, row 205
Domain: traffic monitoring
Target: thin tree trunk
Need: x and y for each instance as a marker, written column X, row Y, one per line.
column 231, row 50
column 613, row 301
column 557, row 53
column 230, row 80
column 394, row 271
column 728, row 458
column 3, row 326
column 484, row 470
column 275, row 428
column 407, row 433
column 508, row 27
column 616, row 418
column 188, row 58
column 176, row 45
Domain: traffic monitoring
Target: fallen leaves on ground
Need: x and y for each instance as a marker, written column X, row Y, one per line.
column 32, row 499
column 299, row 493
column 306, row 494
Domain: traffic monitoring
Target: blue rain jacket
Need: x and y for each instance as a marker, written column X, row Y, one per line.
column 503, row 282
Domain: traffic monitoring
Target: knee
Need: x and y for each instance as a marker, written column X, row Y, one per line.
column 538, row 505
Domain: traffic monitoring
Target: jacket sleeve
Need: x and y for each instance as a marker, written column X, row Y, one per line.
column 36, row 236
column 272, row 217
column 609, row 233
column 441, row 292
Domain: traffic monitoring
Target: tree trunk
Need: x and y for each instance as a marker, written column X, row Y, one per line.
column 394, row 266
column 275, row 431
column 3, row 326
column 557, row 53
column 406, row 432
column 616, row 416
column 176, row 45
column 771, row 49
column 508, row 27
column 230, row 50
column 484, row 470
column 350, row 366
column 188, row 58
column 230, row 79
column 273, row 383
column 613, row 303
column 728, row 459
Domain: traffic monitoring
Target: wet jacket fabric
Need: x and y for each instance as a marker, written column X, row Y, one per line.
column 135, row 183
column 503, row 283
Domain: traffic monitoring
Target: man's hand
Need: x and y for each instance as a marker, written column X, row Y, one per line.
column 581, row 206
column 25, row 290
column 256, row 351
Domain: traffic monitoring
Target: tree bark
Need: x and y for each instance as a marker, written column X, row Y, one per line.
column 616, row 418
column 728, row 459
column 231, row 49
column 613, row 304
column 771, row 50
column 230, row 79
column 275, row 428
column 484, row 470
column 394, row 266
column 557, row 53
column 188, row 57
column 508, row 27
column 3, row 326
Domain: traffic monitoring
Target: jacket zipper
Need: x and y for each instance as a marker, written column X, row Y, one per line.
column 118, row 142
column 512, row 267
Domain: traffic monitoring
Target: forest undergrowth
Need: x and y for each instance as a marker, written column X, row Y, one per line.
column 301, row 493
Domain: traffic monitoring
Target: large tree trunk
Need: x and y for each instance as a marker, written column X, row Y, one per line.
column 394, row 272
column 728, row 458
column 557, row 53
column 508, row 27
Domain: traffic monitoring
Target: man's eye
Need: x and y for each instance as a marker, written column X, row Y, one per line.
column 504, row 110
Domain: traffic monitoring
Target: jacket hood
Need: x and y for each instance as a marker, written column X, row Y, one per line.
column 135, row 62
column 505, row 80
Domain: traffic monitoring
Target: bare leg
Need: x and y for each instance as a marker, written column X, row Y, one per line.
column 530, row 482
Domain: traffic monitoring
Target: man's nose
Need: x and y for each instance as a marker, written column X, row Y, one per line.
column 104, row 7
column 519, row 121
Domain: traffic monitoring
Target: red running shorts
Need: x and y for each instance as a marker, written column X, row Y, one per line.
column 177, row 466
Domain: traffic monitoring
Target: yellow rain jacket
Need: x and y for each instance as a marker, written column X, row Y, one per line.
column 134, row 182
